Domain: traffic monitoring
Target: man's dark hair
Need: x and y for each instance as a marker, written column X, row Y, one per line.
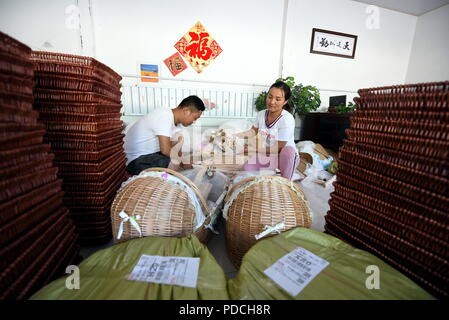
column 193, row 101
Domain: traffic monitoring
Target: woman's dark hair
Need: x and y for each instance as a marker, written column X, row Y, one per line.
column 287, row 93
column 193, row 101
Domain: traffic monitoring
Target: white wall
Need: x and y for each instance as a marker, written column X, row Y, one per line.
column 142, row 31
column 42, row 24
column 381, row 56
column 429, row 59
column 123, row 34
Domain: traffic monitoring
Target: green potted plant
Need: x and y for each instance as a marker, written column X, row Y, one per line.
column 341, row 109
column 303, row 100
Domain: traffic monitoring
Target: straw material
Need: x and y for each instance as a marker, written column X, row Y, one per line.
column 164, row 208
column 304, row 160
column 74, row 65
column 16, row 85
column 82, row 108
column 54, row 81
column 19, row 155
column 268, row 201
column 13, row 47
column 16, row 66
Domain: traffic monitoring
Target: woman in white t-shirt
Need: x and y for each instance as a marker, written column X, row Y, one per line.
column 276, row 126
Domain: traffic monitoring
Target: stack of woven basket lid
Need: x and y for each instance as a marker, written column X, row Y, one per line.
column 37, row 240
column 392, row 191
column 78, row 100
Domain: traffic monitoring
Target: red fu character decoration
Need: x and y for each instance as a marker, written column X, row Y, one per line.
column 198, row 47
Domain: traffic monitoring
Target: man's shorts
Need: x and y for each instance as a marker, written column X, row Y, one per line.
column 153, row 160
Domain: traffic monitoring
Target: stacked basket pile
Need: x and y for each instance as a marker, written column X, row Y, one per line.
column 37, row 240
column 78, row 100
column 392, row 191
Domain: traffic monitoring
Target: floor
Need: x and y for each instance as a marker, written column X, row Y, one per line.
column 317, row 197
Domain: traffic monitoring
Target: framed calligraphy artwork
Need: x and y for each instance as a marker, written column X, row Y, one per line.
column 333, row 43
column 175, row 64
column 198, row 47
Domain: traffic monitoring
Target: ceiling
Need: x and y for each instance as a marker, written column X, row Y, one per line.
column 413, row 7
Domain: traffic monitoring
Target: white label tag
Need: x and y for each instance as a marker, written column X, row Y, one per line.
column 178, row 271
column 295, row 270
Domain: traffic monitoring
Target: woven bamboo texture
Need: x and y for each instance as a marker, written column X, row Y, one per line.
column 265, row 203
column 82, row 108
column 392, row 191
column 53, row 81
column 164, row 207
column 37, row 239
column 57, row 63
column 13, row 47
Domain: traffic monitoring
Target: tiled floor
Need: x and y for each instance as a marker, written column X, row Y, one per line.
column 317, row 197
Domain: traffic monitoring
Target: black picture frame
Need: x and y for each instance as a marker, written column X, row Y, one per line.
column 333, row 43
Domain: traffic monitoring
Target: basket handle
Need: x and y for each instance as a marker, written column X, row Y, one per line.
column 187, row 181
column 246, row 180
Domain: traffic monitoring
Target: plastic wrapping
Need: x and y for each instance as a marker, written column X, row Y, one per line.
column 212, row 185
column 103, row 275
column 344, row 278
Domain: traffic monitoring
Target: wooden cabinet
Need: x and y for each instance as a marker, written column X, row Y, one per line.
column 325, row 128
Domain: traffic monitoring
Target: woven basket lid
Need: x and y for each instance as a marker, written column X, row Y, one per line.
column 257, row 203
column 161, row 205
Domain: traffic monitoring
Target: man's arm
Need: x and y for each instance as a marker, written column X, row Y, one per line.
column 165, row 145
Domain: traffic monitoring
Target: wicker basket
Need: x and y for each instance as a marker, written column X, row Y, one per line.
column 13, row 47
column 397, row 259
column 366, row 180
column 76, row 166
column 428, row 147
column 67, row 96
column 17, row 85
column 38, row 237
column 408, row 102
column 10, row 64
column 392, row 213
column 54, row 81
column 90, row 216
column 432, row 166
column 418, row 178
column 88, row 145
column 12, row 187
column 407, row 88
column 19, row 155
column 83, row 156
column 258, row 202
column 27, row 220
column 27, row 167
column 370, row 218
column 166, row 208
column 14, row 101
column 119, row 173
column 81, row 108
column 41, row 268
column 22, row 203
column 404, row 115
column 75, row 65
column 432, row 215
column 12, row 114
column 403, row 128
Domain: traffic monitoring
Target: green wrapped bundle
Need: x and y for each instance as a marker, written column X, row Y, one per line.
column 348, row 275
column 103, row 276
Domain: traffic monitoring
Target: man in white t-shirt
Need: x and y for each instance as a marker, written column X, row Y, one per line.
column 148, row 142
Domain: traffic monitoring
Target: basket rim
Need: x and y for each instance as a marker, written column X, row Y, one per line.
column 246, row 180
column 187, row 181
